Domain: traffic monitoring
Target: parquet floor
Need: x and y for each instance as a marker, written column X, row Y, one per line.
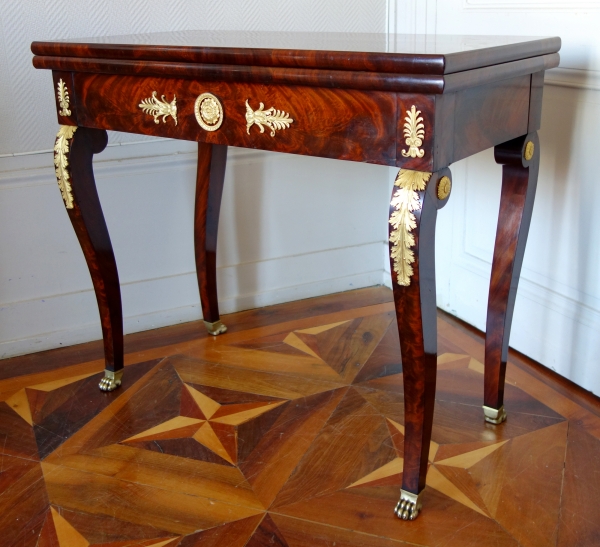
column 287, row 431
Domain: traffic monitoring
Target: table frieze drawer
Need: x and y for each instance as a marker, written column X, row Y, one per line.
column 337, row 123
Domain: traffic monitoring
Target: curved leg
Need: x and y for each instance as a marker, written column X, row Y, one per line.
column 209, row 189
column 413, row 213
column 520, row 164
column 74, row 151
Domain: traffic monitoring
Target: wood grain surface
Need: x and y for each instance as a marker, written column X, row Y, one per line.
column 342, row 79
column 341, row 124
column 327, row 51
column 307, row 461
column 90, row 227
column 519, row 182
column 415, row 312
column 210, row 177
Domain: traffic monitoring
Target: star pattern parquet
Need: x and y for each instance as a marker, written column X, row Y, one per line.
column 288, row 432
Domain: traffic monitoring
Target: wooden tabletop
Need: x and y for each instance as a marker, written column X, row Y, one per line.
column 411, row 63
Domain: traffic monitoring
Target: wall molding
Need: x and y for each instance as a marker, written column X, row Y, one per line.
column 150, row 303
column 391, row 23
column 556, row 319
column 183, row 293
column 37, row 168
column 549, row 339
column 530, row 5
column 471, row 256
column 412, row 16
column 573, row 78
column 554, row 323
column 568, row 305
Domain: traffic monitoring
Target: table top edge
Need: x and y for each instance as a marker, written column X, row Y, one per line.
column 354, row 61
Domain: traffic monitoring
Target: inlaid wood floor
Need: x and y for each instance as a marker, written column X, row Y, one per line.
column 287, row 431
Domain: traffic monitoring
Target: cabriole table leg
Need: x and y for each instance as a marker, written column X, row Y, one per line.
column 210, row 177
column 415, row 200
column 520, row 159
column 73, row 154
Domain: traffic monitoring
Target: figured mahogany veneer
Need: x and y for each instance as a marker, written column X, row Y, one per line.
column 349, row 97
column 209, row 189
column 402, row 54
column 343, row 124
column 419, row 83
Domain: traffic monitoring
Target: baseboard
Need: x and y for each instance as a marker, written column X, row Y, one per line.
column 36, row 168
column 548, row 326
column 573, row 77
column 84, row 304
column 38, row 317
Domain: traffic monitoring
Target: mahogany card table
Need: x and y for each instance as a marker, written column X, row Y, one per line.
column 413, row 102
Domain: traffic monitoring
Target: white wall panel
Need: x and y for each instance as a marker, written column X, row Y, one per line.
column 546, row 5
column 557, row 313
column 291, row 227
column 27, row 108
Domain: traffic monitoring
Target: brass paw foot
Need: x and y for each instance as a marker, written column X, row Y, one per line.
column 409, row 506
column 215, row 328
column 111, row 380
column 494, row 416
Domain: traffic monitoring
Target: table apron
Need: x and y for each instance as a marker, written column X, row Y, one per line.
column 346, row 124
column 333, row 123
